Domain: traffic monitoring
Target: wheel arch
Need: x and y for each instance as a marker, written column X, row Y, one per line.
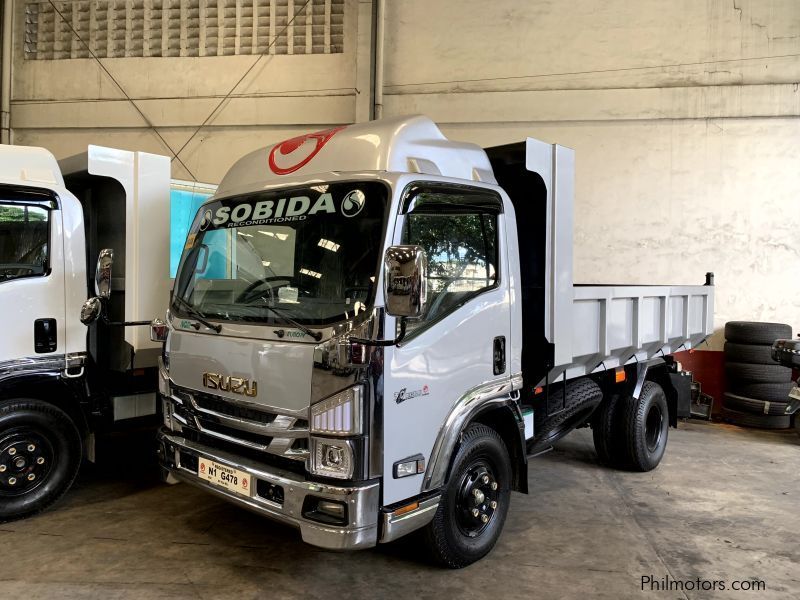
column 48, row 386
column 494, row 404
column 507, row 421
column 676, row 385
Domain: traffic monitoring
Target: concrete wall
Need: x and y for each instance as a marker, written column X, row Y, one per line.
column 684, row 116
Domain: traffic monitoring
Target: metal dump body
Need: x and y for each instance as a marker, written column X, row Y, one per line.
column 588, row 327
column 614, row 325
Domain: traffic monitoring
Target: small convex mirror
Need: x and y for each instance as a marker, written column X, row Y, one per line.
column 102, row 275
column 405, row 281
column 91, row 310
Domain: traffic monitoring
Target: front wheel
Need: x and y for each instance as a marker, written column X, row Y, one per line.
column 40, row 453
column 474, row 505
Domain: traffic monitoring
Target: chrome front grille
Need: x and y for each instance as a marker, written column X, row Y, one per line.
column 213, row 416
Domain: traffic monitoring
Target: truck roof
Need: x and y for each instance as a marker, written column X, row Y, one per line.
column 411, row 144
column 27, row 165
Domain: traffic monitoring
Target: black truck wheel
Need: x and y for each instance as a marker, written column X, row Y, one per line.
column 606, row 432
column 770, row 392
column 475, row 502
column 752, row 420
column 582, row 398
column 753, row 373
column 40, row 453
column 748, row 353
column 754, row 332
column 755, row 406
column 645, row 427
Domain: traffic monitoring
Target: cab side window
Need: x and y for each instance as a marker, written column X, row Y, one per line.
column 24, row 241
column 460, row 241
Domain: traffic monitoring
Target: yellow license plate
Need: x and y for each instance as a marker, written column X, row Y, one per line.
column 225, row 477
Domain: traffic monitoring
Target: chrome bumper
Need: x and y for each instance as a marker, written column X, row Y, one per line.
column 362, row 501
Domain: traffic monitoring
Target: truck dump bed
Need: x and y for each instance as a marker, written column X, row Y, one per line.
column 570, row 329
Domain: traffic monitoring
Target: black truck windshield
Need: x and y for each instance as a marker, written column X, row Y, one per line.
column 306, row 255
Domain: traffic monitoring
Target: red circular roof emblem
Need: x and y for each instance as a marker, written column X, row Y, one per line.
column 295, row 153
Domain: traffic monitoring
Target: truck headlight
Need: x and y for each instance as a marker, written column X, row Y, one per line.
column 340, row 414
column 331, row 458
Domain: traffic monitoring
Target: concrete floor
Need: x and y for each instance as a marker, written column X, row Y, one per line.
column 723, row 505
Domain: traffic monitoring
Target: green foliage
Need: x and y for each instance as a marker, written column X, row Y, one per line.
column 22, row 214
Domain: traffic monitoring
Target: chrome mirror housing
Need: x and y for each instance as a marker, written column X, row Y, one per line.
column 91, row 310
column 158, row 330
column 102, row 275
column 405, row 281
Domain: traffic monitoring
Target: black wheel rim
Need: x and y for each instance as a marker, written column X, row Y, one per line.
column 478, row 498
column 653, row 427
column 26, row 460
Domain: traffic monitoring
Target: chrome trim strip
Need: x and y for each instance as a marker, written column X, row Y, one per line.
column 497, row 391
column 47, row 363
column 516, row 382
column 362, row 500
column 394, row 527
column 281, row 430
column 52, row 362
column 284, row 430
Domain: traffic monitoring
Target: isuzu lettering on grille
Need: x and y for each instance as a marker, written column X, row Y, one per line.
column 226, row 383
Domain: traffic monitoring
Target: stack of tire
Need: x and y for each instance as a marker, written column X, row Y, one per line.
column 757, row 387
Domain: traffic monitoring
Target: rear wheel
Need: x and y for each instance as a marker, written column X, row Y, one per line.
column 607, row 434
column 40, row 452
column 645, row 426
column 474, row 505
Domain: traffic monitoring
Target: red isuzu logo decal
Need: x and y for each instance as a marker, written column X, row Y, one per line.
column 297, row 152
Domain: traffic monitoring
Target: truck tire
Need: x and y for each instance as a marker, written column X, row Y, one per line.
column 40, row 453
column 645, row 427
column 748, row 353
column 770, row 392
column 751, row 405
column 753, row 332
column 745, row 372
column 479, row 477
column 583, row 396
column 761, row 421
column 606, row 432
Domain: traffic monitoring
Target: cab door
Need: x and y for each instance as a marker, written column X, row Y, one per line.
column 453, row 348
column 32, row 311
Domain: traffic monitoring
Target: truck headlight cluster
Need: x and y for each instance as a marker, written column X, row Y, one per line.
column 336, row 416
column 340, row 414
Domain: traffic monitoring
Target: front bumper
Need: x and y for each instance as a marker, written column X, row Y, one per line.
column 362, row 500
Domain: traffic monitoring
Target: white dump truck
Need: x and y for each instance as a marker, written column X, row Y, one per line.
column 373, row 327
column 60, row 384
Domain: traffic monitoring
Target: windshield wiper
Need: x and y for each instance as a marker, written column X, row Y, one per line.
column 317, row 335
column 197, row 315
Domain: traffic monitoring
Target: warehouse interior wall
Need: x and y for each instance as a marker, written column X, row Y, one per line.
column 683, row 115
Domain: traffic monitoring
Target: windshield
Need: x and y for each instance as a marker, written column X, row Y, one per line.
column 308, row 255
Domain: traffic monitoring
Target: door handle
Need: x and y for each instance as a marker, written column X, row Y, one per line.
column 499, row 355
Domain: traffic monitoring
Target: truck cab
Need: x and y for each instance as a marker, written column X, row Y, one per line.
column 60, row 383
column 373, row 326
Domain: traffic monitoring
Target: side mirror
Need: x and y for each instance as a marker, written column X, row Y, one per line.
column 102, row 275
column 91, row 310
column 405, row 281
column 158, row 330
